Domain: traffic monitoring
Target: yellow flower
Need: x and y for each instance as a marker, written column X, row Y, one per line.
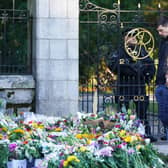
column 65, row 164
column 1, row 136
column 4, row 129
column 58, row 129
column 88, row 141
column 35, row 125
column 72, row 158
column 40, row 126
column 127, row 138
column 91, row 136
column 79, row 136
column 19, row 131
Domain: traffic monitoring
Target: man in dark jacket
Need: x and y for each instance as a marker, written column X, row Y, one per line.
column 161, row 91
column 132, row 77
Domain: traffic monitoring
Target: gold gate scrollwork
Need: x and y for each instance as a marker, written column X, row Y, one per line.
column 144, row 38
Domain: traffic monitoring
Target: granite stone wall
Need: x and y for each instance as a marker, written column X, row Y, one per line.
column 17, row 92
column 56, row 56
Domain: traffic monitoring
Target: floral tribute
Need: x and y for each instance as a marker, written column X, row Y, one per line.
column 82, row 141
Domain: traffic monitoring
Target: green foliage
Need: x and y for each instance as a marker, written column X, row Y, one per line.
column 33, row 150
column 8, row 4
column 3, row 154
column 163, row 157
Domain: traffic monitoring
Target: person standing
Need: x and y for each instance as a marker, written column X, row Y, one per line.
column 132, row 77
column 161, row 91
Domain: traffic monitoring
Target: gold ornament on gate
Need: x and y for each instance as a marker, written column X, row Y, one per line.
column 135, row 40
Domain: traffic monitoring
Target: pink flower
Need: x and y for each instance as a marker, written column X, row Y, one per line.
column 119, row 146
column 132, row 117
column 122, row 145
column 61, row 164
column 117, row 126
column 12, row 147
column 131, row 151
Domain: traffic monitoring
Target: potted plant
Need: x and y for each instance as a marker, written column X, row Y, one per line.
column 16, row 156
column 32, row 151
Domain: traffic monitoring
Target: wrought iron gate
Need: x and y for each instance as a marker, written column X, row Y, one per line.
column 15, row 38
column 107, row 80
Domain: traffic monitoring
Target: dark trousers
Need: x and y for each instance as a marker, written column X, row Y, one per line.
column 161, row 93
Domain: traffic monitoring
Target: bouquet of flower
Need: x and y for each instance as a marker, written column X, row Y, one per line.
column 72, row 143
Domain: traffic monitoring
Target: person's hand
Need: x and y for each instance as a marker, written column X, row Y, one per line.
column 166, row 76
column 107, row 70
column 167, row 82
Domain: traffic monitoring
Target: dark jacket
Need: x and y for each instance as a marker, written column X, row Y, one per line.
column 162, row 57
column 132, row 75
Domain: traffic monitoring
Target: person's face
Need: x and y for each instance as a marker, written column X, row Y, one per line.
column 163, row 31
column 131, row 40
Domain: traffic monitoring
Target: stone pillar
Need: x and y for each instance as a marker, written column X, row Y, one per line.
column 56, row 57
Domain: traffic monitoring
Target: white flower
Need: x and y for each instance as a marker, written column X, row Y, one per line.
column 147, row 141
column 141, row 129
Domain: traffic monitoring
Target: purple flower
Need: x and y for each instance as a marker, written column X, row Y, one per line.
column 94, row 144
column 12, row 147
column 107, row 151
column 131, row 151
column 61, row 164
column 122, row 116
column 137, row 123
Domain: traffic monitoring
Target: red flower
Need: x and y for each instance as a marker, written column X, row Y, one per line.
column 28, row 129
column 97, row 136
column 21, row 113
column 105, row 142
column 21, row 122
column 117, row 126
column 25, row 142
column 92, row 115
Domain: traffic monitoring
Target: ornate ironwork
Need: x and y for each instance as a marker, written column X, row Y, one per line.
column 15, row 42
column 142, row 39
column 87, row 5
column 13, row 14
column 101, row 38
column 108, row 17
